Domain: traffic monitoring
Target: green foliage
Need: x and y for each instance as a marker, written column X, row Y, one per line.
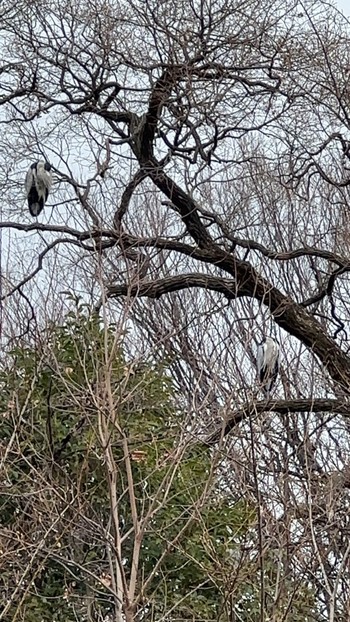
column 55, row 503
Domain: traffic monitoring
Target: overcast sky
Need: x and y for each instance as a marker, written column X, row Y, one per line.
column 344, row 5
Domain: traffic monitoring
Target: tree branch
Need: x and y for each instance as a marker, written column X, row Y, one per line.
column 80, row 235
column 126, row 197
column 159, row 95
column 288, row 314
column 283, row 407
column 156, row 289
column 182, row 202
column 39, row 267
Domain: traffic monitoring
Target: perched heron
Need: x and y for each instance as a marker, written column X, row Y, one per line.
column 267, row 361
column 38, row 184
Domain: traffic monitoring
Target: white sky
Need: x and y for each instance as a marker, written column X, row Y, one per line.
column 344, row 5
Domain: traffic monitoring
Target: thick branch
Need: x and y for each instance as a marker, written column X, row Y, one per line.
column 126, row 198
column 184, row 204
column 283, row 408
column 80, row 235
column 156, row 289
column 287, row 313
column 247, row 282
column 327, row 290
column 196, row 253
column 159, row 96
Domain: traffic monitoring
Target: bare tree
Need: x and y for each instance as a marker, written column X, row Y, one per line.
column 201, row 154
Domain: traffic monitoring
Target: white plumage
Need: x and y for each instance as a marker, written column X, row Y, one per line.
column 38, row 185
column 267, row 361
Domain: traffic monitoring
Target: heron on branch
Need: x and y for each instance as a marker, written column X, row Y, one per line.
column 267, row 361
column 38, row 185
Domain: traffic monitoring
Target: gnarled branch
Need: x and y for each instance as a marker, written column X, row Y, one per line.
column 283, row 407
column 156, row 289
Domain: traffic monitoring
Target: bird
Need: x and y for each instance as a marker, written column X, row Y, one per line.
column 267, row 361
column 38, row 185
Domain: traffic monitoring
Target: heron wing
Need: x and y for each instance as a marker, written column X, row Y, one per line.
column 260, row 358
column 44, row 180
column 29, row 181
column 272, row 354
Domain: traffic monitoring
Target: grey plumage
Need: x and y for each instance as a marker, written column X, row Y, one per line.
column 267, row 361
column 38, row 185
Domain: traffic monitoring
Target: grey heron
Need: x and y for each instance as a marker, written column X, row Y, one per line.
column 38, row 184
column 267, row 361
